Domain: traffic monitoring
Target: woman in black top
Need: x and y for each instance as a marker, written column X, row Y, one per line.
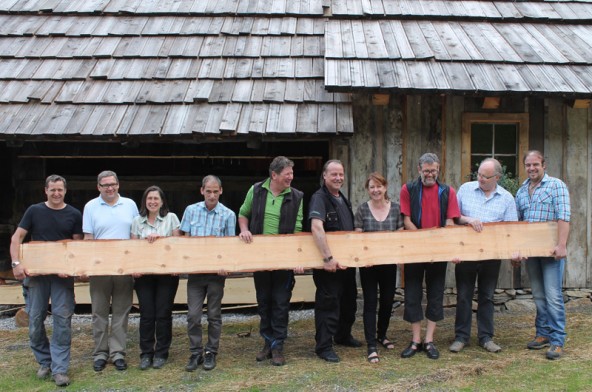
column 378, row 214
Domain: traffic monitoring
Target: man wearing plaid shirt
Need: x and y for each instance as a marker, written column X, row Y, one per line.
column 206, row 218
column 542, row 198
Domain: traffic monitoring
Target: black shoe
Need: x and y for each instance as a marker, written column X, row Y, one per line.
column 120, row 364
column 99, row 365
column 145, row 363
column 350, row 341
column 431, row 350
column 329, row 356
column 209, row 360
column 194, row 361
column 411, row 350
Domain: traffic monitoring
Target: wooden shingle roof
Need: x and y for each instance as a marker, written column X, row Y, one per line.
column 106, row 68
column 497, row 47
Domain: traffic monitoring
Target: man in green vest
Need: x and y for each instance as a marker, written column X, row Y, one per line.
column 272, row 206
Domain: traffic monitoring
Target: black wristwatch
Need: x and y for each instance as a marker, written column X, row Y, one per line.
column 327, row 259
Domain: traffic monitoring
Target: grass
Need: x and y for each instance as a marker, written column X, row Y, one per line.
column 514, row 369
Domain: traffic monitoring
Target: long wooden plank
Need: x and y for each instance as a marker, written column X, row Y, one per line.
column 209, row 254
column 239, row 290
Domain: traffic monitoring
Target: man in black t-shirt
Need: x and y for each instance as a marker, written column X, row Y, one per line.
column 335, row 298
column 52, row 220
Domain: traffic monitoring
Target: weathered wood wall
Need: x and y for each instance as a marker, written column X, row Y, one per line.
column 393, row 137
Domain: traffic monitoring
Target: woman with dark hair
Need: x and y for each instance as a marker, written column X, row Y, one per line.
column 378, row 214
column 156, row 293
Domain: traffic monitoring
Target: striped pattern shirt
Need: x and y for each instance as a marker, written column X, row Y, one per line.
column 549, row 201
column 199, row 222
column 498, row 207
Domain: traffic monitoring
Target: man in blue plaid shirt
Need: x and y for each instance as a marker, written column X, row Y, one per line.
column 542, row 198
column 203, row 219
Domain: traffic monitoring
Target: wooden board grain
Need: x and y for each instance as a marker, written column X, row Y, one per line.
column 271, row 252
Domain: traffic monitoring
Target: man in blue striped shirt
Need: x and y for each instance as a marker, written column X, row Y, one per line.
column 542, row 198
column 479, row 202
column 206, row 218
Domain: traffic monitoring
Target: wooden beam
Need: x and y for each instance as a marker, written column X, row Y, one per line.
column 380, row 99
column 239, row 290
column 272, row 252
column 491, row 103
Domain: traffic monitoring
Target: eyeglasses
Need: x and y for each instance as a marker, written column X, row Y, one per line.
column 432, row 172
column 106, row 186
column 485, row 177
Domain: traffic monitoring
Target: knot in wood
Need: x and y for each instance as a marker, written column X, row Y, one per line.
column 219, row 256
column 167, row 247
column 365, row 248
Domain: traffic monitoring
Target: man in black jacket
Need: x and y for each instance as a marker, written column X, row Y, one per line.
column 273, row 207
column 335, row 298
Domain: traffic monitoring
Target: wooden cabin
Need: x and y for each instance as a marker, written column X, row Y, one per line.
column 165, row 92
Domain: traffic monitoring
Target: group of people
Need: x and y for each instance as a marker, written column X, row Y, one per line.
column 273, row 206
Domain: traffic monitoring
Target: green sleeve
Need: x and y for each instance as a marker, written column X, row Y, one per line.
column 299, row 218
column 245, row 209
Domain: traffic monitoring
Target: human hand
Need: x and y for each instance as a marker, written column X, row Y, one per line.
column 246, row 236
column 477, row 225
column 152, row 237
column 20, row 272
column 456, row 260
column 559, row 252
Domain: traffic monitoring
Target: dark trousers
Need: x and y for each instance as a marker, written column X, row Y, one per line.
column 486, row 273
column 378, row 286
column 435, row 276
column 335, row 306
column 156, row 296
column 274, row 291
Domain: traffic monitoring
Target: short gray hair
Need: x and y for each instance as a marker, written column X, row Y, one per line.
column 211, row 177
column 429, row 158
column 279, row 164
column 107, row 173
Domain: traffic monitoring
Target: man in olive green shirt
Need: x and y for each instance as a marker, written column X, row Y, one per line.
column 273, row 207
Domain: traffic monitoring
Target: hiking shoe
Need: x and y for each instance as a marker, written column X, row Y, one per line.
column 537, row 343
column 491, row 347
column 277, row 357
column 120, row 364
column 209, row 360
column 456, row 346
column 61, row 380
column 264, row 354
column 145, row 363
column 158, row 363
column 554, row 352
column 99, row 365
column 194, row 361
column 43, row 372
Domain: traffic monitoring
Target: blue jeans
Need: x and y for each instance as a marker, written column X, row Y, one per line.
column 546, row 279
column 61, row 291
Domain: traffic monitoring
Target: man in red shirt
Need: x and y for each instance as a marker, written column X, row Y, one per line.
column 426, row 203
